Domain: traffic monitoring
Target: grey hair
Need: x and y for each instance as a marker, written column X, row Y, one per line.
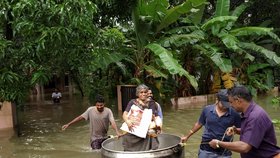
column 241, row 92
column 141, row 87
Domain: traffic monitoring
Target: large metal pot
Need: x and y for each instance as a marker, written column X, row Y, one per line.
column 169, row 147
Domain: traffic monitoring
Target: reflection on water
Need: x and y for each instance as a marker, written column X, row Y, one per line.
column 41, row 135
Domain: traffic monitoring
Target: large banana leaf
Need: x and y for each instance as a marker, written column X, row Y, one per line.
column 170, row 63
column 265, row 52
column 237, row 12
column 222, row 8
column 230, row 41
column 214, row 55
column 182, row 30
column 197, row 17
column 145, row 14
column 260, row 78
column 173, row 14
column 183, row 35
column 122, row 68
column 156, row 73
column 104, row 59
column 240, row 9
column 153, row 8
column 252, row 31
column 255, row 67
column 179, row 40
column 221, row 21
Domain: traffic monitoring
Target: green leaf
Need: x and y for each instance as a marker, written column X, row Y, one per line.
column 40, row 77
column 240, row 9
column 215, row 56
column 170, row 63
column 221, row 20
column 222, row 8
column 253, row 31
column 104, row 59
column 230, row 41
column 174, row 13
column 237, row 12
column 196, row 18
column 255, row 67
column 272, row 56
column 182, row 30
column 155, row 72
column 179, row 40
column 8, row 77
column 246, row 31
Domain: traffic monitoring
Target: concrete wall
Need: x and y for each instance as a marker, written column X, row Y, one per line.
column 6, row 146
column 200, row 101
column 6, row 115
column 193, row 101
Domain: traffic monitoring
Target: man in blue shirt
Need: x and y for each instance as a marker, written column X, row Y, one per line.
column 216, row 119
column 257, row 135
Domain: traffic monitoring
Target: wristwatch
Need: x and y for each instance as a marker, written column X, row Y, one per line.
column 217, row 144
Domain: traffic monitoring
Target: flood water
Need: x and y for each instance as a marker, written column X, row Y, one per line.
column 41, row 135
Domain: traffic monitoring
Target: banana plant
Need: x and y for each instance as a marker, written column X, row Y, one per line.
column 219, row 40
column 150, row 19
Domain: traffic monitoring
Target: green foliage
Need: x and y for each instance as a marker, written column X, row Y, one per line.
column 220, row 41
column 270, row 55
column 218, row 24
column 40, row 77
column 212, row 53
column 275, row 100
column 154, row 72
column 166, row 42
column 103, row 59
column 222, row 8
column 171, row 64
column 276, row 122
column 260, row 78
column 148, row 18
column 173, row 14
column 50, row 37
column 276, row 103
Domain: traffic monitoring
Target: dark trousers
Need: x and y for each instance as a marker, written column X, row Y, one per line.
column 96, row 144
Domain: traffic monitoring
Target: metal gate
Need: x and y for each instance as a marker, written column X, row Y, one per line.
column 125, row 94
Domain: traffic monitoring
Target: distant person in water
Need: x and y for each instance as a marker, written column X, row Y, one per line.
column 100, row 118
column 56, row 96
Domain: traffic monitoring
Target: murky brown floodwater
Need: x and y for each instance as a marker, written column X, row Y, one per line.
column 41, row 135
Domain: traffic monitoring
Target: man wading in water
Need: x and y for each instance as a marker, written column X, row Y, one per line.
column 216, row 119
column 56, row 96
column 100, row 118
